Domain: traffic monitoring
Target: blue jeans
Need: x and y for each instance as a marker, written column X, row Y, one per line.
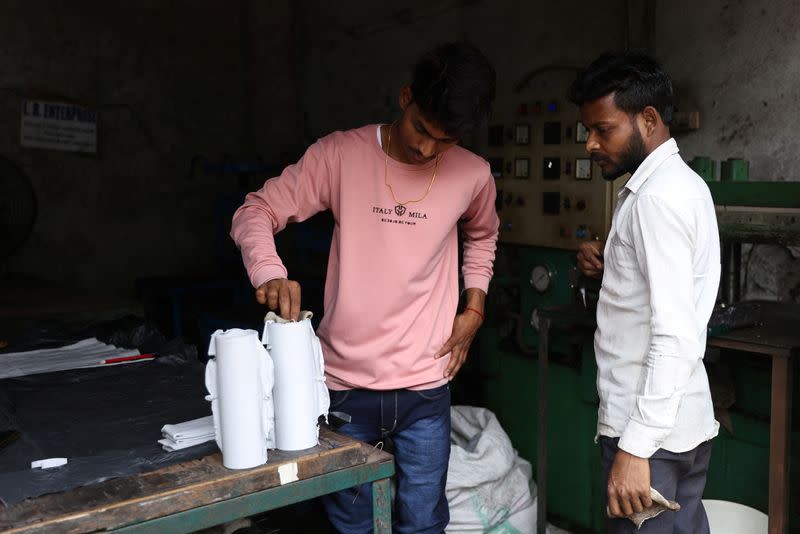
column 418, row 423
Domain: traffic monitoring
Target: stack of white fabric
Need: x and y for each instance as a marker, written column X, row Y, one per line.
column 182, row 435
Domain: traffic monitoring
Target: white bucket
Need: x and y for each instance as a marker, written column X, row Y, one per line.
column 725, row 517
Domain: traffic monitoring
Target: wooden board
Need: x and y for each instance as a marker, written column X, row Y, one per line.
column 177, row 488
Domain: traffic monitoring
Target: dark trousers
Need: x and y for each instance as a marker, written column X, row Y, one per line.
column 418, row 423
column 679, row 477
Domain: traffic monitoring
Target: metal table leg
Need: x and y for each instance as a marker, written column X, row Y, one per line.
column 779, row 434
column 382, row 506
column 541, row 462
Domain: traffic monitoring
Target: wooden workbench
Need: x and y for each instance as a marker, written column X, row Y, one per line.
column 201, row 493
column 777, row 338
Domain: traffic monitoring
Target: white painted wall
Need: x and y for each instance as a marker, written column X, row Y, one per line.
column 738, row 63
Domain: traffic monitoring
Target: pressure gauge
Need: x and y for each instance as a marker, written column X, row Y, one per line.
column 541, row 278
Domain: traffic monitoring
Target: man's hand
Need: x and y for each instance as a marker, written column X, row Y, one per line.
column 281, row 294
column 465, row 327
column 590, row 258
column 628, row 485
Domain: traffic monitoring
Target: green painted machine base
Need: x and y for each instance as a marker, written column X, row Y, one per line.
column 739, row 469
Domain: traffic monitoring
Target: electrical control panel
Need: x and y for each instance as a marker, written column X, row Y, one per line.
column 549, row 193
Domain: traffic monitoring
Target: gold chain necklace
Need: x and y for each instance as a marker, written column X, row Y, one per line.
column 400, row 207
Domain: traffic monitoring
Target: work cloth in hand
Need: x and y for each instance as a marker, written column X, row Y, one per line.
column 660, row 504
column 679, row 477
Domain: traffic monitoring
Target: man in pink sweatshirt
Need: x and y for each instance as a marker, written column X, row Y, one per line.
column 392, row 333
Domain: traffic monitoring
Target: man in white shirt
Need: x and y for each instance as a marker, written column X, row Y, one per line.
column 660, row 268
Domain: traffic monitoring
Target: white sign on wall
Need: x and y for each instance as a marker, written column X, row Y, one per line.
column 58, row 126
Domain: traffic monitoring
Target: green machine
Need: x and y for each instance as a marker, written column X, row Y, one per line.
column 549, row 278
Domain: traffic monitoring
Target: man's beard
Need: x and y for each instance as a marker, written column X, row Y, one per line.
column 630, row 159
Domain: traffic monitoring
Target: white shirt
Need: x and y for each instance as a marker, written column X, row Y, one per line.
column 660, row 282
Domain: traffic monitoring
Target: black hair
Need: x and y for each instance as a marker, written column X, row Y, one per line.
column 636, row 79
column 454, row 86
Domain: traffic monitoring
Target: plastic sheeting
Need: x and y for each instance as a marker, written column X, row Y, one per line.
column 104, row 420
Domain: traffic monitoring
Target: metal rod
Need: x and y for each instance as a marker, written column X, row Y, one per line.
column 541, row 462
column 779, row 444
column 731, row 272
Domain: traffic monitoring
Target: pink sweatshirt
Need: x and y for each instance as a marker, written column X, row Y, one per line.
column 391, row 290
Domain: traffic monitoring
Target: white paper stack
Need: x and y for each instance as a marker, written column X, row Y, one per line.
column 182, row 435
column 85, row 353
